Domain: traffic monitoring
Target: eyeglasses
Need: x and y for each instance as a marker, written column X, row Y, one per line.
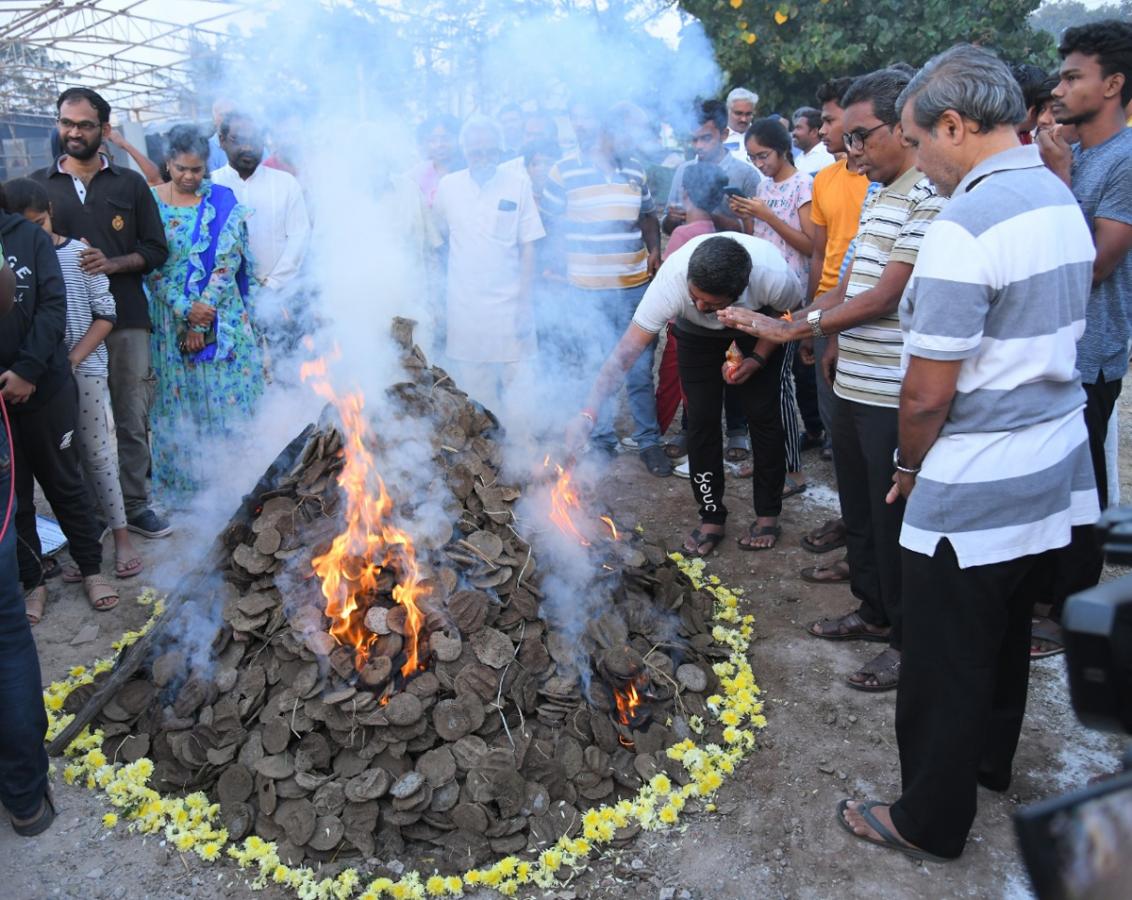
column 760, row 157
column 855, row 140
column 85, row 125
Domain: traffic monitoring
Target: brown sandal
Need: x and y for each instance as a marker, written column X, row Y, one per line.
column 849, row 627
column 101, row 594
column 35, row 602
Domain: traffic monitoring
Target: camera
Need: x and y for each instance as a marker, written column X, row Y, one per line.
column 1079, row 846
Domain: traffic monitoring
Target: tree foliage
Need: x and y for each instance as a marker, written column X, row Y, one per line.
column 29, row 78
column 783, row 49
column 1057, row 16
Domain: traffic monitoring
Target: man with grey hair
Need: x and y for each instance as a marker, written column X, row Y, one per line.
column 488, row 216
column 741, row 107
column 992, row 486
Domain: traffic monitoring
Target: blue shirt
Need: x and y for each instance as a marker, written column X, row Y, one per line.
column 1102, row 184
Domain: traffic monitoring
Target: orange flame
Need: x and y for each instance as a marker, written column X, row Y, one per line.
column 628, row 702
column 563, row 502
column 370, row 543
column 612, row 528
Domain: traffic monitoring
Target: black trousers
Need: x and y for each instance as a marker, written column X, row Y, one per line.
column 962, row 694
column 863, row 440
column 700, row 360
column 1078, row 566
column 806, row 390
column 45, row 450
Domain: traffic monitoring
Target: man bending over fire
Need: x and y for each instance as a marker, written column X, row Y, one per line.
column 702, row 277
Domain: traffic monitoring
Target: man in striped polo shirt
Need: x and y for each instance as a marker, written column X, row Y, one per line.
column 862, row 312
column 994, row 455
column 608, row 221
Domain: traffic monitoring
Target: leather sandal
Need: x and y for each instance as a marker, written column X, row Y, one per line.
column 881, row 673
column 100, row 593
column 35, row 603
column 849, row 627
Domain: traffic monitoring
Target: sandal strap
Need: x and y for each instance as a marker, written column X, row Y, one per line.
column 887, row 661
column 865, row 811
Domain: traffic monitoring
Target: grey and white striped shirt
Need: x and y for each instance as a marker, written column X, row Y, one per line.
column 1001, row 284
column 88, row 298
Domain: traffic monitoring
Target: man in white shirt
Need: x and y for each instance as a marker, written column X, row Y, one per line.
column 741, row 106
column 709, row 273
column 807, row 127
column 488, row 216
column 278, row 228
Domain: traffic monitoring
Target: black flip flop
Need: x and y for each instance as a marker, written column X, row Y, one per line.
column 774, row 531
column 711, row 538
column 887, row 839
column 41, row 822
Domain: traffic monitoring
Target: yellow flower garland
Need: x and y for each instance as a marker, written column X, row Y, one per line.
column 190, row 823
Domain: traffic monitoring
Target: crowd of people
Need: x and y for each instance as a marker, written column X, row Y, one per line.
column 925, row 277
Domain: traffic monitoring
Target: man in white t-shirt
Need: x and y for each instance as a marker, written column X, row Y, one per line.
column 488, row 216
column 815, row 156
column 707, row 274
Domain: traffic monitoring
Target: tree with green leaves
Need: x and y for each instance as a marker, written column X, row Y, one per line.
column 1058, row 15
column 784, row 49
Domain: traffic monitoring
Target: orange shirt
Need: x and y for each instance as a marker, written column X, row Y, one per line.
column 837, row 199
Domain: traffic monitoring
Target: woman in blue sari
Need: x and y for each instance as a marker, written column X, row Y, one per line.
column 206, row 356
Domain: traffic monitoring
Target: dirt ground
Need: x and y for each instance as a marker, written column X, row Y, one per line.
column 773, row 834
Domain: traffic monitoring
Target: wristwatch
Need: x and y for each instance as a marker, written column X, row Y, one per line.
column 813, row 319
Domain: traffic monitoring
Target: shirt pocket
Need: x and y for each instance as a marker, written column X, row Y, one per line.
column 505, row 222
column 119, row 217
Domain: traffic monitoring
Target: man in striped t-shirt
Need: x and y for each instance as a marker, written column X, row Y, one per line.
column 862, row 312
column 607, row 218
column 994, row 454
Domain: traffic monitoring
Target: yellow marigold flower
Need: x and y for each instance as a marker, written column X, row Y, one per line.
column 380, row 886
column 454, row 884
column 110, row 820
column 510, row 889
column 550, row 860
column 209, row 851
column 780, row 17
column 668, row 815
column 580, row 846
column 492, row 878
column 750, row 36
column 660, row 783
column 710, row 807
column 436, row 886
column 53, row 702
column 77, row 671
column 729, row 717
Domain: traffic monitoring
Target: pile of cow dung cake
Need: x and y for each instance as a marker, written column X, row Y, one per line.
column 436, row 714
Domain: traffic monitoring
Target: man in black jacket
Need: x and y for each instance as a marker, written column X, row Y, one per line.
column 112, row 209
column 42, row 398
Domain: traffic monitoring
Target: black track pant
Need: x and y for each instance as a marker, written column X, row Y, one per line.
column 962, row 694
column 700, row 359
column 45, row 450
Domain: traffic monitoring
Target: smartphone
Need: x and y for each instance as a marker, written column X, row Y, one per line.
column 733, row 191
